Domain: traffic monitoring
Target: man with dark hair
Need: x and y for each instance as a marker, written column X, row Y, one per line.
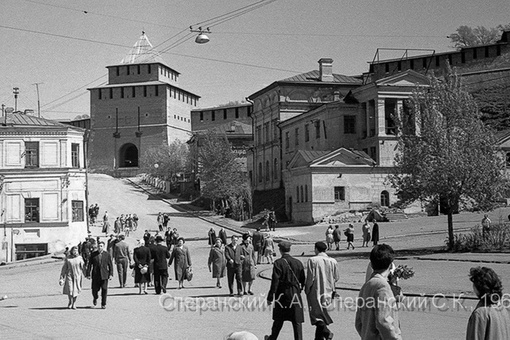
column 122, row 257
column 257, row 241
column 233, row 267
column 377, row 312
column 100, row 267
column 160, row 254
column 321, row 276
column 287, row 281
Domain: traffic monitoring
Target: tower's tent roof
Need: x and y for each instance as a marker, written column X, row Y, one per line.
column 142, row 52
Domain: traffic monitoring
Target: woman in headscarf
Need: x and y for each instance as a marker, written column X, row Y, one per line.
column 142, row 258
column 71, row 276
column 245, row 255
column 182, row 259
column 217, row 260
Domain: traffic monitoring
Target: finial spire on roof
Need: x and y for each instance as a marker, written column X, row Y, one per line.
column 142, row 52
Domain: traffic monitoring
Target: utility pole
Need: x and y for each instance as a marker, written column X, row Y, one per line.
column 38, row 101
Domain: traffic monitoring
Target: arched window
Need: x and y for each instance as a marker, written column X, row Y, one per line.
column 275, row 168
column 260, row 172
column 297, row 194
column 385, row 199
column 302, row 196
column 128, row 156
column 267, row 171
column 306, row 192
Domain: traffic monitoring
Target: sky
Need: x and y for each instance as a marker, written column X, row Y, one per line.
column 65, row 45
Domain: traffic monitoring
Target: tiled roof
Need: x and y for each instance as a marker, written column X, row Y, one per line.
column 233, row 127
column 142, row 52
column 314, row 77
column 24, row 120
column 309, row 156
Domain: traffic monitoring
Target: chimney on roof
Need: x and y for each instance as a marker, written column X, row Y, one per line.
column 326, row 69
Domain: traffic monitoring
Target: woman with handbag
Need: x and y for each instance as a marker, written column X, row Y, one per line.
column 180, row 254
column 142, row 258
column 71, row 276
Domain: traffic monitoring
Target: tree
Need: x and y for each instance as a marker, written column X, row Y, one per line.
column 451, row 156
column 221, row 176
column 466, row 36
column 166, row 161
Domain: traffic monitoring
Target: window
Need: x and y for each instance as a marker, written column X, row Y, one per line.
column 237, row 112
column 149, row 68
column 266, row 132
column 339, row 193
column 122, row 92
column 486, row 52
column 138, row 69
column 317, row 129
column 77, row 207
column 111, row 93
column 424, row 62
column 275, row 130
column 275, row 168
column 201, row 116
column 75, row 155
column 268, row 175
column 225, row 114
column 373, row 153
column 287, row 140
column 296, row 134
column 390, row 111
column 307, row 133
column 411, row 64
column 31, row 210
column 385, row 199
column 156, row 90
column 306, row 192
column 213, row 116
column 349, row 124
column 475, row 55
column 133, row 92
column 127, row 70
column 438, row 61
column 145, row 91
column 260, row 172
column 100, row 94
column 117, row 69
column 508, row 159
column 31, row 154
column 249, row 111
column 302, row 195
column 386, row 67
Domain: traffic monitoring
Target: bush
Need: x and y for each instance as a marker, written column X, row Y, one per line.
column 497, row 238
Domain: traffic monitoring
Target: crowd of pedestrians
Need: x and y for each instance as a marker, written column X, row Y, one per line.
column 237, row 259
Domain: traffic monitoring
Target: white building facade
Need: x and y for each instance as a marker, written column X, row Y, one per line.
column 42, row 186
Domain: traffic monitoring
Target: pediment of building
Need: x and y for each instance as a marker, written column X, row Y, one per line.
column 408, row 78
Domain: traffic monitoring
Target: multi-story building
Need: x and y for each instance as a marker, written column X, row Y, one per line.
column 338, row 156
column 230, row 121
column 42, row 186
column 142, row 106
column 282, row 100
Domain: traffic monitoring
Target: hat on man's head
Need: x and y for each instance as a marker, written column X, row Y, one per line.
column 284, row 246
column 245, row 236
column 159, row 238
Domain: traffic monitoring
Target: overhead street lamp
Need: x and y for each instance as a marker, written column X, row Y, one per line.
column 202, row 37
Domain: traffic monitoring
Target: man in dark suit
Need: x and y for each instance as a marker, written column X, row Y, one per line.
column 287, row 281
column 233, row 267
column 160, row 254
column 101, row 268
column 122, row 256
column 258, row 240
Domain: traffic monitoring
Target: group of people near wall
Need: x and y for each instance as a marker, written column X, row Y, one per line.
column 123, row 224
column 369, row 233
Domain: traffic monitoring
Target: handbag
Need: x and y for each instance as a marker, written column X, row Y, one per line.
column 189, row 273
column 144, row 269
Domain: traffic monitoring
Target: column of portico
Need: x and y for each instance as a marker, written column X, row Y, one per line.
column 380, row 117
column 400, row 112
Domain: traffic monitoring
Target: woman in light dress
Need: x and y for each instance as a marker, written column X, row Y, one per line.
column 71, row 276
